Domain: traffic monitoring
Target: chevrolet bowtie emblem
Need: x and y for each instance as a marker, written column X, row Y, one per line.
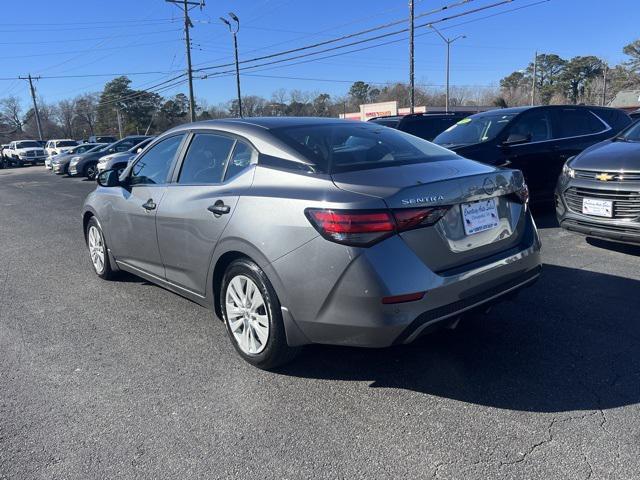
column 604, row 177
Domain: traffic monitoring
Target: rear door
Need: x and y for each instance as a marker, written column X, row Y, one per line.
column 578, row 128
column 132, row 222
column 536, row 157
column 199, row 203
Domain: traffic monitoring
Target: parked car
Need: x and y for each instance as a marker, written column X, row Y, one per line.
column 24, row 152
column 60, row 163
column 56, row 146
column 301, row 230
column 598, row 193
column 119, row 161
column 536, row 140
column 423, row 125
column 86, row 165
column 4, row 158
column 102, row 139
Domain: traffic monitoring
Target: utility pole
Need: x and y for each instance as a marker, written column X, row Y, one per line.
column 234, row 32
column 35, row 104
column 412, row 85
column 119, row 122
column 448, row 41
column 604, row 86
column 533, row 79
column 187, row 24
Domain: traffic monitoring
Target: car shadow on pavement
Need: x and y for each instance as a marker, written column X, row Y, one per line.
column 627, row 249
column 546, row 219
column 570, row 342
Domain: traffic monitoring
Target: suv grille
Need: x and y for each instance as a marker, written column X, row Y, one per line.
column 625, row 204
column 617, row 176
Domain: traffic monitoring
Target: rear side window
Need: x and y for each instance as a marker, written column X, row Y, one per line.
column 154, row 166
column 428, row 128
column 67, row 143
column 535, row 125
column 242, row 156
column 205, row 159
column 576, row 122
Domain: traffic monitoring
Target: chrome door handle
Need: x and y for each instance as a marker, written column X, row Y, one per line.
column 219, row 208
column 149, row 205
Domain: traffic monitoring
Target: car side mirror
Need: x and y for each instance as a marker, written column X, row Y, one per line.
column 517, row 139
column 139, row 150
column 109, row 178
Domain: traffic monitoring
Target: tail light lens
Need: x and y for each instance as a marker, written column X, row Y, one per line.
column 523, row 194
column 362, row 228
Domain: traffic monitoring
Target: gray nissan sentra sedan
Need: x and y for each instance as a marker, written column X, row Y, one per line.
column 301, row 230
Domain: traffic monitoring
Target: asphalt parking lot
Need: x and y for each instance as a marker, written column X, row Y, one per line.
column 126, row 380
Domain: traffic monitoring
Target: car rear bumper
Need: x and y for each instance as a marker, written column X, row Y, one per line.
column 352, row 313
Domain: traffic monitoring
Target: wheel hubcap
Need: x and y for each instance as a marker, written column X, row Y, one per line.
column 247, row 314
column 96, row 249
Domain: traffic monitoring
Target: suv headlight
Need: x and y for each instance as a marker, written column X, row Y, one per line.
column 567, row 171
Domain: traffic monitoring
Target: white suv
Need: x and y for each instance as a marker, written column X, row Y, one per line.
column 54, row 147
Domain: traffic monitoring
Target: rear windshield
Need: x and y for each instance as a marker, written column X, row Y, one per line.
column 474, row 129
column 67, row 143
column 28, row 145
column 359, row 146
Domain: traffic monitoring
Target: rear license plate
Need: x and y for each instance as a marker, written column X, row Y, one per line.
column 479, row 216
column 597, row 207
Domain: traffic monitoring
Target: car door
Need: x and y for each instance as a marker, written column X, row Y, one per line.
column 132, row 220
column 534, row 156
column 578, row 128
column 199, row 203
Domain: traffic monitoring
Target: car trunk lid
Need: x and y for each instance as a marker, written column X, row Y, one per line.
column 470, row 189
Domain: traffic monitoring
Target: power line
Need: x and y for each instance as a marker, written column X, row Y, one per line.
column 367, row 47
column 357, row 42
column 357, row 34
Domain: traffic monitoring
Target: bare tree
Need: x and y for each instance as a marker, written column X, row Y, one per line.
column 86, row 110
column 64, row 113
column 11, row 112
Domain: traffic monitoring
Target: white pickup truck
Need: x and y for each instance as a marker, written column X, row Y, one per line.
column 24, row 152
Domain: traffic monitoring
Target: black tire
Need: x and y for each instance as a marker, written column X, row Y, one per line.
column 90, row 171
column 276, row 352
column 106, row 272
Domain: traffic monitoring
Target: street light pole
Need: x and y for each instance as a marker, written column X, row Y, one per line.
column 234, row 32
column 412, row 92
column 448, row 41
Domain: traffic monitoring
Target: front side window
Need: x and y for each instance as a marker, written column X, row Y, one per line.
column 575, row 122
column 206, row 159
column 536, row 126
column 153, row 167
column 631, row 134
column 343, row 147
column 474, row 129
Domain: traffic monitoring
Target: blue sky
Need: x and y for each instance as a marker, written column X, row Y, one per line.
column 90, row 37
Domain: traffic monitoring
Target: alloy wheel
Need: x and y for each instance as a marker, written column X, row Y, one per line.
column 247, row 314
column 96, row 249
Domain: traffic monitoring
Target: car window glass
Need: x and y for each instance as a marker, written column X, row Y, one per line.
column 240, row 159
column 153, row 167
column 428, row 128
column 205, row 159
column 576, row 122
column 535, row 125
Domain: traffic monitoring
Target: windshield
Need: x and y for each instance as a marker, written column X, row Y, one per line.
column 345, row 147
column 97, row 148
column 474, row 129
column 28, row 145
column 632, row 134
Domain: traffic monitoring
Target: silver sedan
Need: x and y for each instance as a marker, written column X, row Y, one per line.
column 298, row 231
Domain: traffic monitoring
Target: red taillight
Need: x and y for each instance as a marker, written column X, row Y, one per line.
column 523, row 194
column 358, row 228
column 366, row 227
